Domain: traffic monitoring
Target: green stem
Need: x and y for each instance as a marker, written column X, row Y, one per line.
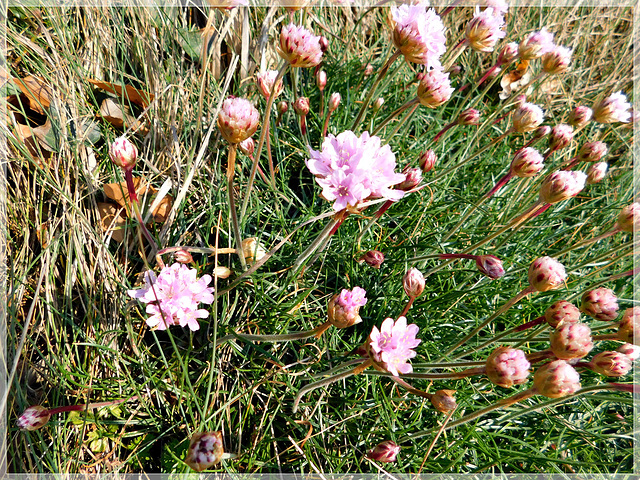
column 285, row 337
column 404, row 119
column 319, row 240
column 395, row 113
column 436, row 376
column 231, row 164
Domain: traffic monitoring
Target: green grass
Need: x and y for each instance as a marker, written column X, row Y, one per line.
column 86, row 341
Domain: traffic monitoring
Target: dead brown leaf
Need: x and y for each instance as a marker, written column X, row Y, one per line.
column 112, row 220
column 119, row 117
column 139, row 97
column 118, row 193
column 36, row 91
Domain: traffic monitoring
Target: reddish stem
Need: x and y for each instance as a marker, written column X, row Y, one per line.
column 131, row 188
column 408, row 306
column 337, row 225
column 468, row 256
column 501, row 183
column 540, row 211
column 489, row 72
column 444, row 130
column 624, row 387
column 530, row 324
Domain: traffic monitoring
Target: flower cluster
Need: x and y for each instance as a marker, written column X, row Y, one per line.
column 484, row 30
column 343, row 309
column 299, row 47
column 391, row 346
column 419, row 34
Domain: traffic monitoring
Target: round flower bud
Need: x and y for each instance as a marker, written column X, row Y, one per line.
column 508, row 53
column 434, row 88
column 252, row 250
column 490, row 265
column 385, row 452
column 238, row 119
column 557, row 60
column 247, row 146
column 222, row 272
column 601, row 304
column 33, row 418
column 556, row 379
column 123, row 153
column 321, row 79
column 454, row 70
column 324, row 43
column 629, row 218
column 265, row 83
column 597, row 172
column 527, row 163
column 377, row 105
column 561, row 136
column 562, row 185
column 507, row 367
column 183, row 256
column 527, row 118
column 562, row 311
column 301, row 106
column 484, row 30
column 629, row 328
column 611, row 364
column 614, row 108
column 205, row 450
column 368, row 69
column 299, row 46
column 444, row 401
column 413, row 282
column 283, row 107
column 373, row 258
column 630, row 350
column 470, row 116
column 592, row 151
column 571, row 340
column 535, row 45
column 344, row 308
column 541, row 131
column 546, row 273
column 427, row 161
column 580, row 116
column 334, row 101
column 413, row 176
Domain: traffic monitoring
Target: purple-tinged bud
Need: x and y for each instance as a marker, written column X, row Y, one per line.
column 592, row 151
column 368, row 69
column 385, row 452
column 562, row 311
column 377, row 105
column 629, row 328
column 561, row 136
column 611, row 364
column 557, row 60
column 334, row 101
column 444, row 401
column 597, row 172
column 507, row 367
column 454, row 71
column 266, row 82
column 301, row 106
column 614, row 108
column 321, row 79
column 413, row 176
column 508, row 53
column 373, row 258
column 413, row 282
column 556, row 379
column 490, row 265
column 541, row 131
column 630, row 350
column 33, row 418
column 183, row 256
column 546, row 273
column 535, row 45
column 427, row 161
column 562, row 185
column 629, row 218
column 324, row 44
column 527, row 118
column 344, row 308
column 205, row 450
column 470, row 116
column 571, row 340
column 247, row 146
column 601, row 304
column 123, row 153
column 527, row 163
column 238, row 119
column 434, row 88
column 299, row 46
column 283, row 107
column 580, row 116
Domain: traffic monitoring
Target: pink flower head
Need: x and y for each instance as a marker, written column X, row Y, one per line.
column 391, row 346
column 562, row 185
column 343, row 310
column 434, row 88
column 238, row 119
column 592, row 151
column 205, row 450
column 614, row 108
column 266, row 81
column 385, row 452
column 490, row 265
column 123, row 153
column 536, row 44
column 571, row 340
column 351, row 169
column 562, row 311
column 611, row 364
column 629, row 327
column 527, row 117
column 546, row 273
column 557, row 60
column 172, row 297
column 601, row 304
column 597, row 172
column 580, row 116
column 484, row 30
column 419, row 34
column 507, row 367
column 33, row 418
column 508, row 53
column 561, row 136
column 630, row 350
column 527, row 163
column 629, row 218
column 556, row 379
column 299, row 46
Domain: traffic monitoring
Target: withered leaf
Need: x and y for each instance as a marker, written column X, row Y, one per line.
column 118, row 193
column 36, row 91
column 112, row 220
column 139, row 97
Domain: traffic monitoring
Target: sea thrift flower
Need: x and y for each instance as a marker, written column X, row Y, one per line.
column 562, row 185
column 419, row 34
column 597, row 172
column 351, row 169
column 470, row 116
column 172, row 297
column 321, row 80
column 444, row 401
column 252, row 250
column 205, row 450
column 508, row 53
column 630, row 350
column 299, row 46
column 385, row 452
column 484, row 30
column 427, row 161
column 334, row 101
column 556, row 60
column 611, row 364
column 614, row 108
column 601, row 304
column 413, row 176
column 527, row 118
column 580, row 116
column 571, row 340
column 629, row 218
column 592, row 151
column 324, row 43
column 222, row 272
column 500, row 7
column 247, row 146
column 527, row 163
column 507, row 367
column 373, row 258
column 536, row 44
column 183, row 256
column 33, row 418
column 434, row 88
column 301, row 106
column 123, row 153
column 391, row 346
column 629, row 329
column 556, row 379
column 546, row 273
column 238, row 119
column 343, row 310
column 413, row 282
column 490, row 265
column 561, row 136
column 377, row 105
column 562, row 311
column 266, row 82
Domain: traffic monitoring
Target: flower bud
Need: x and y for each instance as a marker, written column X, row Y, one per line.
column 205, row 450
column 580, row 116
column 535, row 45
column 334, row 101
column 368, row 69
column 222, row 272
column 614, row 108
column 413, row 282
column 427, row 161
column 33, row 418
column 247, row 146
column 373, row 258
column 123, row 153
column 266, row 82
column 527, row 163
column 629, row 218
column 571, row 340
column 238, row 119
column 419, row 34
column 561, row 136
column 597, row 172
column 444, row 401
column 470, row 116
column 546, row 273
column 385, row 452
column 324, row 43
column 508, row 53
column 283, row 107
column 592, row 151
column 434, row 88
column 490, row 265
column 301, row 106
column 454, row 71
column 562, row 311
column 377, row 105
column 183, row 256
column 556, row 379
column 344, row 308
column 413, row 176
column 484, row 30
column 541, row 131
column 557, row 60
column 562, row 185
column 601, row 304
column 321, row 79
column 630, row 350
column 300, row 47
column 611, row 364
column 527, row 118
column 507, row 367
column 252, row 250
column 629, row 328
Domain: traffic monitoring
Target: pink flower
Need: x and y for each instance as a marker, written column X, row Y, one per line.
column 557, row 60
column 561, row 136
column 391, row 346
column 299, row 46
column 385, row 452
column 434, row 88
column 266, row 81
column 238, row 119
column 629, row 218
column 343, row 310
column 205, row 450
column 173, row 296
column 351, row 169
column 123, row 153
column 580, row 116
column 571, row 340
column 562, row 185
column 562, row 311
column 536, row 44
column 556, row 379
column 419, row 34
column 527, row 117
column 597, row 172
column 614, row 108
column 527, row 163
column 484, row 30
column 546, row 273
column 500, row 7
column 507, row 366
column 592, row 151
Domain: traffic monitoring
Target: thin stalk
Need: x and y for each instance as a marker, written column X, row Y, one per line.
column 506, row 333
column 587, row 242
column 403, row 120
column 231, row 165
column 407, row 306
column 444, row 130
column 315, row 244
column 272, row 170
column 395, row 113
column 90, row 406
column 135, row 204
column 436, row 376
column 327, row 239
column 284, row 337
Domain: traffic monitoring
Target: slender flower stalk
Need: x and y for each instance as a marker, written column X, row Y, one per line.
column 410, row 103
column 231, row 161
